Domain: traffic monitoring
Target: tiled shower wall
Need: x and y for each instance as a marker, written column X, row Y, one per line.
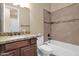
column 66, row 31
column 47, row 25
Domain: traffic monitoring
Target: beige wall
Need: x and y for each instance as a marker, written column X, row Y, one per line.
column 36, row 17
column 36, row 14
column 56, row 6
column 24, row 16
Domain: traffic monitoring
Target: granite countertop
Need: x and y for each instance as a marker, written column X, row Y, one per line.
column 7, row 39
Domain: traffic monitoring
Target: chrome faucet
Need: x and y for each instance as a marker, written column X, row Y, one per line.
column 49, row 38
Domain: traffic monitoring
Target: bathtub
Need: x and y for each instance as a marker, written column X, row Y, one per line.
column 59, row 48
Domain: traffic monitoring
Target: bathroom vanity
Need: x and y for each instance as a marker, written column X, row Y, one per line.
column 21, row 45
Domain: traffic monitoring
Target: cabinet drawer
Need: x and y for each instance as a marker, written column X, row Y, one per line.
column 10, row 53
column 16, row 45
column 33, row 41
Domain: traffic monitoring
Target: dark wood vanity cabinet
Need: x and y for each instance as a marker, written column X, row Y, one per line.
column 26, row 47
column 28, row 51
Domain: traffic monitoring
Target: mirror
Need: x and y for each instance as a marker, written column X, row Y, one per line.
column 14, row 18
column 11, row 18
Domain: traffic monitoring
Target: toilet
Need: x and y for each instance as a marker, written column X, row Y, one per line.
column 42, row 48
column 40, row 42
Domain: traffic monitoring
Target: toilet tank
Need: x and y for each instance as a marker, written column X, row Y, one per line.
column 40, row 40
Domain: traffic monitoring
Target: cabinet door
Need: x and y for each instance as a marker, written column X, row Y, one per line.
column 28, row 51
column 10, row 53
